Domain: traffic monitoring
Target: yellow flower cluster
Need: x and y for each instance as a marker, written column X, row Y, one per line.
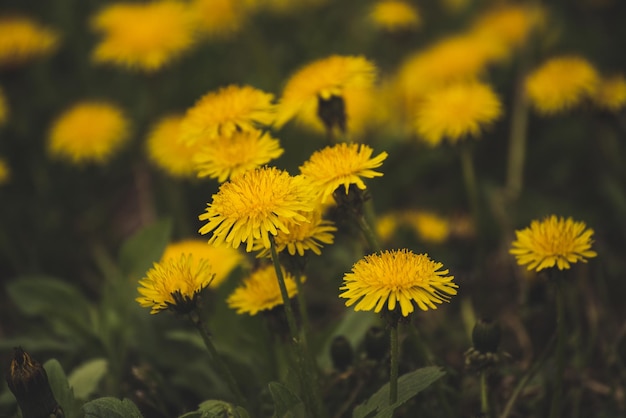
column 22, row 39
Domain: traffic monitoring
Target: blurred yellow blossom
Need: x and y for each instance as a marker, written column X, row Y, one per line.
column 561, row 83
column 88, row 132
column 145, row 36
column 611, row 93
column 428, row 226
column 22, row 39
column 394, row 15
column 5, row 171
column 219, row 18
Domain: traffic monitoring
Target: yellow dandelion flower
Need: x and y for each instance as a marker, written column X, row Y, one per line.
column 386, row 225
column 174, row 284
column 553, row 241
column 167, row 152
column 5, row 172
column 260, row 291
column 429, row 226
column 394, row 15
column 4, row 108
column 223, row 260
column 144, row 36
column 226, row 111
column 397, row 277
column 323, row 82
column 509, row 24
column 456, row 111
column 22, row 39
column 219, row 18
column 256, row 204
column 611, row 93
column 88, row 132
column 341, row 164
column 227, row 157
column 303, row 236
column 452, row 59
column 561, row 83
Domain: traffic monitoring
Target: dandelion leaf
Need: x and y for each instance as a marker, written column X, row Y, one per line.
column 111, row 408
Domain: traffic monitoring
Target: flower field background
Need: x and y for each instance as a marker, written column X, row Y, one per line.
column 436, row 187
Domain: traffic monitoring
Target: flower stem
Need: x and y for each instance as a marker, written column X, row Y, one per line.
column 393, row 373
column 218, row 362
column 555, row 410
column 484, row 395
column 365, row 222
column 469, row 177
column 307, row 372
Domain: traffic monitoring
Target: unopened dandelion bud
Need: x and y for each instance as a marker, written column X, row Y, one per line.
column 332, row 112
column 341, row 353
column 486, row 336
column 28, row 381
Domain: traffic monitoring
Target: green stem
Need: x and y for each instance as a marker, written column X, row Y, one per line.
column 307, row 372
column 469, row 178
column 365, row 222
column 304, row 316
column 218, row 362
column 524, row 381
column 484, row 394
column 393, row 373
column 555, row 410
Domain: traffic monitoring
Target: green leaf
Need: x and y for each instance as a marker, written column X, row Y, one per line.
column 111, row 408
column 53, row 299
column 286, row 403
column 409, row 385
column 86, row 377
column 61, row 389
column 144, row 248
column 217, row 409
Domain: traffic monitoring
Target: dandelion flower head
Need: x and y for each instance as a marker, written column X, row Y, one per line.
column 553, row 241
column 255, row 205
column 392, row 15
column 397, row 277
column 219, row 18
column 5, row 172
column 226, row 111
column 223, row 260
column 322, row 80
column 145, row 36
column 457, row 111
column 561, row 84
column 428, row 226
column 303, row 236
column 229, row 157
column 260, row 291
column 341, row 164
column 22, row 39
column 88, row 132
column 386, row 225
column 611, row 93
column 167, row 152
column 174, row 284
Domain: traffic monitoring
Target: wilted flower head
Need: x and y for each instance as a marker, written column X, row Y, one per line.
column 611, row 93
column 226, row 111
column 397, row 277
column 22, row 39
column 167, row 152
column 88, row 132
column 553, row 241
column 223, row 260
column 174, row 284
column 228, row 157
column 255, row 205
column 394, row 15
column 319, row 88
column 561, row 84
column 341, row 164
column 145, row 36
column 456, row 111
column 260, row 291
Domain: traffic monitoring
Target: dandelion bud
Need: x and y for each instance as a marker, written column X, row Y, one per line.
column 28, row 381
column 486, row 336
column 341, row 353
column 332, row 112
